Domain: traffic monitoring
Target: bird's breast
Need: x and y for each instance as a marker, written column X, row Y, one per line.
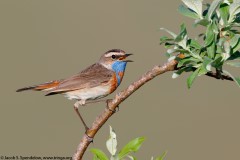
column 89, row 93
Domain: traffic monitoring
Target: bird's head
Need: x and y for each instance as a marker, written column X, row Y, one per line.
column 115, row 60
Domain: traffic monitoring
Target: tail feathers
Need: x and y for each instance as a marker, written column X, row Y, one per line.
column 25, row 88
column 45, row 86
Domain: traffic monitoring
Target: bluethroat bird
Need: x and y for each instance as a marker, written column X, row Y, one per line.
column 91, row 84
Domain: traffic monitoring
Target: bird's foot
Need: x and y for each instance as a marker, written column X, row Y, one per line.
column 112, row 110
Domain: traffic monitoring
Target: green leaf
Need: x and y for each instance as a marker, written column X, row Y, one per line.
column 99, row 154
column 112, row 142
column 215, row 26
column 179, row 72
column 170, row 32
column 213, row 7
column 234, row 40
column 193, row 43
column 227, row 47
column 132, row 146
column 236, row 79
column 162, row 156
column 217, row 63
column 223, row 10
column 192, row 77
column 211, row 50
column 168, row 45
column 206, row 66
column 207, row 63
column 209, row 35
column 221, row 41
column 234, row 64
column 183, row 42
column 182, row 33
column 202, row 71
column 225, row 56
column 171, row 50
column 165, row 39
column 237, row 46
column 203, row 22
column 95, row 158
column 195, row 5
column 187, row 12
column 187, row 60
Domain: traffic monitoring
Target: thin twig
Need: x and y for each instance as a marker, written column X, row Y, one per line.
column 222, row 77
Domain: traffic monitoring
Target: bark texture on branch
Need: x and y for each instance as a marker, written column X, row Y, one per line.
column 119, row 98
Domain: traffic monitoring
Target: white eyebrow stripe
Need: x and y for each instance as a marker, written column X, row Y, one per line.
column 114, row 53
column 109, row 54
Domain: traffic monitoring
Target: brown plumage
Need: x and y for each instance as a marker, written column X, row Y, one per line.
column 92, row 76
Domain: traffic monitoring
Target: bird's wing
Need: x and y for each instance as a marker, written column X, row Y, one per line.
column 92, row 76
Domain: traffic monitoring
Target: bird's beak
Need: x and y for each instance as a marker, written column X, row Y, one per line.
column 126, row 55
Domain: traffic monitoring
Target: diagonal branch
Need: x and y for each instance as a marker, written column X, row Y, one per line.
column 113, row 104
column 119, row 98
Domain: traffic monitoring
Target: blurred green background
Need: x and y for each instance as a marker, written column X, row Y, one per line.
column 52, row 39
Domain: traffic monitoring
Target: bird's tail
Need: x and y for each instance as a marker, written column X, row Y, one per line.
column 45, row 86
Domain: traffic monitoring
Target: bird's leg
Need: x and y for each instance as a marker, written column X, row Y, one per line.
column 115, row 110
column 81, row 102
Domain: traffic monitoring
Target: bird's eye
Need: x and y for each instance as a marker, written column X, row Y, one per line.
column 113, row 56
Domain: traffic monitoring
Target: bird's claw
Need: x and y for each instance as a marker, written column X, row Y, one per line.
column 115, row 110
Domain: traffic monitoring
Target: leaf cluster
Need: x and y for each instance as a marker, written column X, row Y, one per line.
column 132, row 146
column 218, row 45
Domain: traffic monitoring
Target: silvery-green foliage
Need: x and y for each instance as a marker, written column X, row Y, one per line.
column 220, row 42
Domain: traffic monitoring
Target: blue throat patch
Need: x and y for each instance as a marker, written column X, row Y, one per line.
column 119, row 66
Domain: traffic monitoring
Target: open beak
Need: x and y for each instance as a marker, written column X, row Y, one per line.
column 126, row 55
